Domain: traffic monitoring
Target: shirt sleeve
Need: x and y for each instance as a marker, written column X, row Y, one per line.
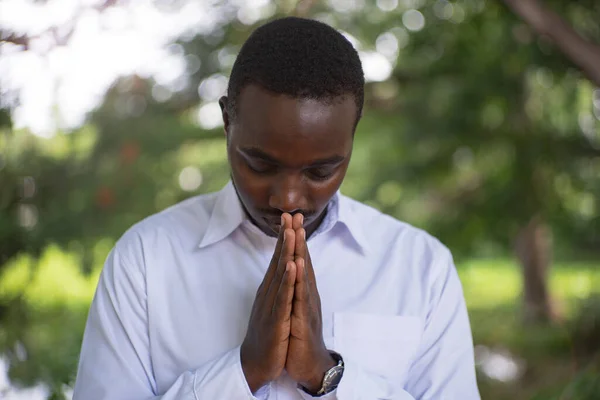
column 444, row 367
column 115, row 362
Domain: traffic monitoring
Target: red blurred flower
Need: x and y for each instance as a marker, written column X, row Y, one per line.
column 105, row 197
column 130, row 151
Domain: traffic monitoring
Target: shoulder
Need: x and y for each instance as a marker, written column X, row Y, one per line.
column 389, row 237
column 383, row 228
column 182, row 224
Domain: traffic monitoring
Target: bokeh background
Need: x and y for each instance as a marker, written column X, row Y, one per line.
column 482, row 126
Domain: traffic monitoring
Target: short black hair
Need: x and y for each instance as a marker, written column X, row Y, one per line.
column 298, row 57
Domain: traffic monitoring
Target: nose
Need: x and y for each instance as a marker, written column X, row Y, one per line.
column 287, row 195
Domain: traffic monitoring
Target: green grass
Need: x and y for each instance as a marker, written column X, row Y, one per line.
column 55, row 279
column 492, row 290
column 490, row 283
column 48, row 300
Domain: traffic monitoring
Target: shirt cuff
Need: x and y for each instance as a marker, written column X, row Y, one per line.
column 263, row 393
column 329, row 396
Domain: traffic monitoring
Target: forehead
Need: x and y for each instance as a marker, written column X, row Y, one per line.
column 282, row 124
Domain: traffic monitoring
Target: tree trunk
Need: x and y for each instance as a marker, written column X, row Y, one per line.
column 581, row 52
column 533, row 248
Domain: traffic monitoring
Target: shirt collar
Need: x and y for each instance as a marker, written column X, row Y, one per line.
column 228, row 214
column 348, row 216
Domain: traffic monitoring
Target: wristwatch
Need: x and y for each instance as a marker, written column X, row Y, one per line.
column 332, row 377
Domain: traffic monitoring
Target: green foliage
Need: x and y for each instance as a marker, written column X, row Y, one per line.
column 584, row 386
column 585, row 330
column 477, row 129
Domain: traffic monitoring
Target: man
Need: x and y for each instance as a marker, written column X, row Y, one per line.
column 278, row 286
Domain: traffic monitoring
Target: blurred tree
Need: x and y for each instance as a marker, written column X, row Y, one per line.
column 488, row 127
column 474, row 129
column 532, row 242
column 544, row 21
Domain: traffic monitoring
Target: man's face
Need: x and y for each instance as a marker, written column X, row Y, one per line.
column 288, row 155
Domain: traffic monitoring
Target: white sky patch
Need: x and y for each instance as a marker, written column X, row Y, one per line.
column 413, row 20
column 346, row 6
column 38, row 392
column 387, row 44
column 57, row 86
column 209, row 116
column 213, row 87
column 190, row 178
column 376, row 66
column 387, row 5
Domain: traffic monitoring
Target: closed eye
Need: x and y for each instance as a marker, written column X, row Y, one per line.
column 260, row 167
column 320, row 173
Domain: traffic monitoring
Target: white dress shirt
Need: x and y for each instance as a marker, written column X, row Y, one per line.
column 174, row 299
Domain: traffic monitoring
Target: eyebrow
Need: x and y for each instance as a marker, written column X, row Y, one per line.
column 257, row 153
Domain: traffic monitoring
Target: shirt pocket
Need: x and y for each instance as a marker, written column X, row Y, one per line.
column 382, row 344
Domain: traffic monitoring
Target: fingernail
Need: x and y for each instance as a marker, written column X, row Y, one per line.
column 282, row 220
column 303, row 234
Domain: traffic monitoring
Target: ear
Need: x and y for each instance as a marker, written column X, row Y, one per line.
column 224, row 113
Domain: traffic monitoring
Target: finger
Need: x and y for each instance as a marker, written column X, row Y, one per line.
column 282, row 308
column 310, row 277
column 300, row 250
column 286, row 255
column 287, row 250
column 286, row 222
column 287, row 217
column 274, row 259
column 301, row 291
column 298, row 221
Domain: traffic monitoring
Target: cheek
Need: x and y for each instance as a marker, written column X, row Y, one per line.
column 322, row 192
column 253, row 191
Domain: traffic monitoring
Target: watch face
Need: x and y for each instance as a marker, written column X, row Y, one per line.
column 332, row 380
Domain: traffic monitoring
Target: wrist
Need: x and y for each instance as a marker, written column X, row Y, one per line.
column 254, row 381
column 314, row 383
column 253, row 378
